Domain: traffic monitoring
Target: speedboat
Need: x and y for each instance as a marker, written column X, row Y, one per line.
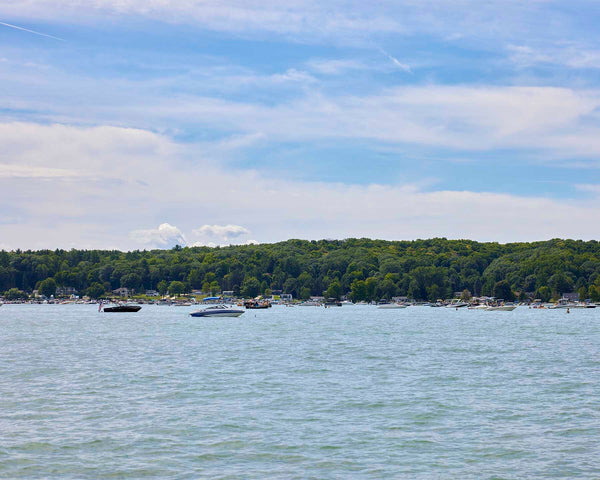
column 501, row 308
column 391, row 305
column 457, row 305
column 123, row 308
column 217, row 311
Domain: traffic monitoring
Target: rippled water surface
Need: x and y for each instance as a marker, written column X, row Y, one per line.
column 303, row 392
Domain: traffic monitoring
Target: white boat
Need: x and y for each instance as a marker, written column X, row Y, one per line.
column 391, row 305
column 457, row 305
column 481, row 306
column 563, row 305
column 501, row 308
column 217, row 311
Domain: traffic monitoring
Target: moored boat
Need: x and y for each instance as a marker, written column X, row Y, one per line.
column 387, row 306
column 217, row 311
column 257, row 304
column 501, row 308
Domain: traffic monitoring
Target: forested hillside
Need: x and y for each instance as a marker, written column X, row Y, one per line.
column 362, row 268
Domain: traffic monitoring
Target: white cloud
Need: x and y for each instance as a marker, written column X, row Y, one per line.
column 127, row 191
column 221, row 234
column 25, row 171
column 576, row 56
column 334, row 66
column 465, row 118
column 589, row 187
column 165, row 236
column 313, row 20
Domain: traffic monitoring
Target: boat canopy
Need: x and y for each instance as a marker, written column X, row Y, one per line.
column 207, row 299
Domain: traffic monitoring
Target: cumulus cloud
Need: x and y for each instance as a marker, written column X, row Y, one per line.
column 164, row 236
column 221, row 234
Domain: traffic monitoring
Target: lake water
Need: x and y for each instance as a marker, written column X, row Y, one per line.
column 303, row 392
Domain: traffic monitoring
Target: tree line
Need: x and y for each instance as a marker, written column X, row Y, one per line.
column 362, row 269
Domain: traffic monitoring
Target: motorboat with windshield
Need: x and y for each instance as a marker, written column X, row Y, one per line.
column 217, row 311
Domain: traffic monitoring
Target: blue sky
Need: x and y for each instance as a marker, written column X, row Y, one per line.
column 131, row 124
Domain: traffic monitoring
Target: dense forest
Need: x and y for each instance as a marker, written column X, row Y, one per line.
column 363, row 269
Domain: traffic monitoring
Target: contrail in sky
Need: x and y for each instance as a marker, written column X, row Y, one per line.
column 395, row 61
column 31, row 31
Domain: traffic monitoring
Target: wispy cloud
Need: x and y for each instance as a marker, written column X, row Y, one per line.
column 347, row 21
column 334, row 66
column 576, row 56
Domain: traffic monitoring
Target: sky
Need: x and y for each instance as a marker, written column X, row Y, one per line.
column 128, row 124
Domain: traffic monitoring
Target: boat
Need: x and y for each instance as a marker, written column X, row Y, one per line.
column 256, row 304
column 123, row 308
column 479, row 306
column 457, row 305
column 217, row 311
column 310, row 303
column 501, row 308
column 563, row 303
column 332, row 302
column 391, row 305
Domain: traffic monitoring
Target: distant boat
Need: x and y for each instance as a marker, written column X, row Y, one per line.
column 481, row 306
column 501, row 308
column 123, row 308
column 217, row 311
column 387, row 306
column 332, row 302
column 257, row 304
column 457, row 305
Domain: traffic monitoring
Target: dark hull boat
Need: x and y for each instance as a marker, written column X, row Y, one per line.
column 123, row 308
column 255, row 304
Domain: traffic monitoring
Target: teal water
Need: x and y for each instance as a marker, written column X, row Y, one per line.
column 304, row 392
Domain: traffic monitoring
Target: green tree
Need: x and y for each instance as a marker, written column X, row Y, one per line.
column 95, row 290
column 387, row 287
column 466, row 296
column 502, row 290
column 250, row 287
column 560, row 283
column 194, row 278
column 15, row 294
column 304, row 293
column 131, row 281
column 214, row 287
column 583, row 293
column 334, row 290
column 358, row 291
column 176, row 287
column 371, row 284
column 523, row 296
column 47, row 287
column 162, row 287
column 594, row 293
column 434, row 293
column 544, row 293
